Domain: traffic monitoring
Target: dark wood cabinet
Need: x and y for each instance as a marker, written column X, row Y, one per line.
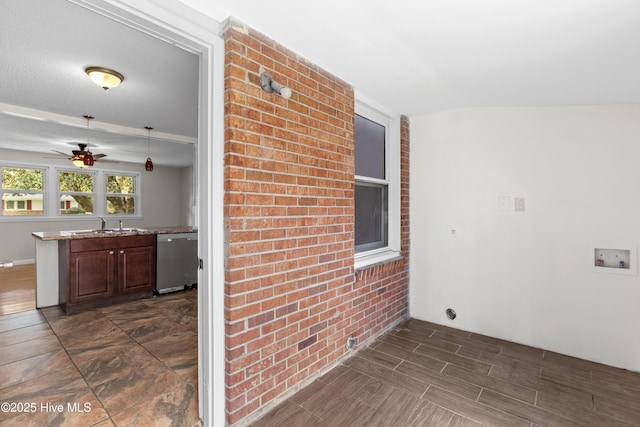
column 136, row 269
column 92, row 275
column 106, row 269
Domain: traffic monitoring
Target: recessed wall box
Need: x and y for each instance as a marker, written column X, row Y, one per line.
column 617, row 259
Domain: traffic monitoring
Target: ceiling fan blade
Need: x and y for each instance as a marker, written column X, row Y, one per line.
column 61, row 153
column 98, row 156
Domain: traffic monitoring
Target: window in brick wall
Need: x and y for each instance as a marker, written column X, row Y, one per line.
column 377, row 186
column 371, row 202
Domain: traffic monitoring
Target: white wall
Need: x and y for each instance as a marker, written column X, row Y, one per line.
column 187, row 196
column 528, row 276
column 161, row 195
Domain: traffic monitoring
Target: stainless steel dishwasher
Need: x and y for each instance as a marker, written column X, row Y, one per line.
column 176, row 262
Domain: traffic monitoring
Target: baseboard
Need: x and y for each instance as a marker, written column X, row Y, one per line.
column 8, row 263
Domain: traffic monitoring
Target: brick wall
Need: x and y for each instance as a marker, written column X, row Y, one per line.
column 292, row 296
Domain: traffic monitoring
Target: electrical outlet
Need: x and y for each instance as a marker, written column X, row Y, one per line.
column 518, row 203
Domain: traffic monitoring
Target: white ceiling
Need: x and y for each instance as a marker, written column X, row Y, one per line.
column 45, row 47
column 409, row 56
column 422, row 56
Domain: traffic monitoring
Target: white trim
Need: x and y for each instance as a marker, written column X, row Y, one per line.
column 370, row 258
column 60, row 119
column 391, row 122
column 45, row 196
column 187, row 28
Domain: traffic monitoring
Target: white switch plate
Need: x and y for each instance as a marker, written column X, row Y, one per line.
column 504, row 203
column 518, row 203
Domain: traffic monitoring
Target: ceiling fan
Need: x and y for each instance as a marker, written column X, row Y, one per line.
column 82, row 158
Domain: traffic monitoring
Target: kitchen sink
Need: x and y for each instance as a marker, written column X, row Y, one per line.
column 105, row 231
column 118, row 230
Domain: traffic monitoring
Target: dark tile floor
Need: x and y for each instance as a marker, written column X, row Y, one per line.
column 422, row 374
column 132, row 364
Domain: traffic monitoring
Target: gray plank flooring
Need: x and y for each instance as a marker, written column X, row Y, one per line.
column 423, row 374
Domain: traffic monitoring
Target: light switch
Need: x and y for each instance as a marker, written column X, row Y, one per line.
column 518, row 203
column 503, row 203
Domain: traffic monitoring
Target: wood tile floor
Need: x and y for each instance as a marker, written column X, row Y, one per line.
column 423, row 374
column 132, row 364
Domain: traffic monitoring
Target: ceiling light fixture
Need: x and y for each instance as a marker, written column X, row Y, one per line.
column 104, row 77
column 78, row 162
column 269, row 85
column 148, row 166
column 88, row 157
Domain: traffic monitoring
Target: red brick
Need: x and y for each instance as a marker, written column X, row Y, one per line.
column 291, row 294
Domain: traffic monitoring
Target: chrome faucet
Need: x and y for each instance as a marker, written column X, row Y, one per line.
column 104, row 223
column 120, row 221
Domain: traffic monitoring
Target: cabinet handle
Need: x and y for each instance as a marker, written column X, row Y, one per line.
column 110, row 252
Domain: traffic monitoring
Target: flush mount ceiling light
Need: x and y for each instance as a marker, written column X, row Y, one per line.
column 104, row 77
column 269, row 85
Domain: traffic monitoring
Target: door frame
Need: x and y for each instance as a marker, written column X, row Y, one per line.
column 180, row 25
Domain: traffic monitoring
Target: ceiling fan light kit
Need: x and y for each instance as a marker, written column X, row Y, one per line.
column 88, row 159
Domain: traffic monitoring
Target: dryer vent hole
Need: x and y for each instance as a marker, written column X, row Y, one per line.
column 451, row 314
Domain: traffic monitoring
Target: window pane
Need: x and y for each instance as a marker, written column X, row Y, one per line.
column 120, row 184
column 22, row 204
column 22, row 179
column 370, row 145
column 371, row 216
column 76, row 204
column 120, row 205
column 22, row 191
column 77, row 182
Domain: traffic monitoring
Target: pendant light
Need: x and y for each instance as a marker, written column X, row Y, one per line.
column 88, row 157
column 148, row 166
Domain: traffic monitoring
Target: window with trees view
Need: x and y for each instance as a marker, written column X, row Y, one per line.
column 32, row 191
column 121, row 194
column 76, row 192
column 22, row 191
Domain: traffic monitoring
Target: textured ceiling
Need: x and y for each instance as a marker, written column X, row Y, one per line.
column 411, row 57
column 45, row 47
column 417, row 57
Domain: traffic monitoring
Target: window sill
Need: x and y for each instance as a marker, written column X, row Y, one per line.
column 367, row 260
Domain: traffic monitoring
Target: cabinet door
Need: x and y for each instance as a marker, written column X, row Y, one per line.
column 92, row 275
column 136, row 269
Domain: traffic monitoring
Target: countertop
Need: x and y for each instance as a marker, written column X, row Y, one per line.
column 92, row 234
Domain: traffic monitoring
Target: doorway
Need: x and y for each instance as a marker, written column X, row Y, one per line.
column 182, row 26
